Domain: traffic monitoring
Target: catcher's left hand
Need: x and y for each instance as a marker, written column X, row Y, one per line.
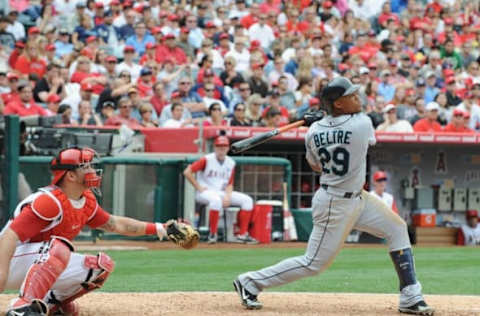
column 182, row 234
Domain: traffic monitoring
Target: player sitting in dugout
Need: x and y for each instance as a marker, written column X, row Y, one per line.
column 37, row 254
column 214, row 186
column 469, row 234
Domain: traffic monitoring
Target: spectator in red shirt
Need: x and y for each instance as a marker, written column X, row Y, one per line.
column 19, row 49
column 82, row 75
column 145, row 83
column 29, row 62
column 159, row 99
column 251, row 18
column 170, row 50
column 150, row 53
column 387, row 15
column 215, row 117
column 12, row 79
column 124, row 115
column 457, row 124
column 26, row 106
column 53, row 102
column 429, row 122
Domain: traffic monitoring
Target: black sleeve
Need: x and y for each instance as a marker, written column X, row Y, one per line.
column 41, row 86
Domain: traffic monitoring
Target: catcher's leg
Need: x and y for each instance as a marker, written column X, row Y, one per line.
column 85, row 274
column 378, row 219
column 41, row 276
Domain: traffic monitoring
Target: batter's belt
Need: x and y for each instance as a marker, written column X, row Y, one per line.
column 345, row 195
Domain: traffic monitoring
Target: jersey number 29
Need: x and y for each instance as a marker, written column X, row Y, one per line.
column 340, row 157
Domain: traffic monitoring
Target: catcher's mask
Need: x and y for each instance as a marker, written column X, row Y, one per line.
column 335, row 89
column 74, row 158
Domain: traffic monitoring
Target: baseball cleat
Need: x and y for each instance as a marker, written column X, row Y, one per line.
column 212, row 239
column 249, row 301
column 36, row 308
column 420, row 308
column 246, row 239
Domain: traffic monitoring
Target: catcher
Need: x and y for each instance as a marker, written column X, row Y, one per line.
column 36, row 244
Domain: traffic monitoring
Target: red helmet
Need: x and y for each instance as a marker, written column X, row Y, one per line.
column 222, row 141
column 73, row 158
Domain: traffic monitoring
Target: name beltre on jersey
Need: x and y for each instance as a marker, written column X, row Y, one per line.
column 332, row 137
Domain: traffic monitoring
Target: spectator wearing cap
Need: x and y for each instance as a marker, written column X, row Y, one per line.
column 385, row 88
column 83, row 75
column 172, row 25
column 150, row 54
column 145, row 83
column 430, row 88
column 429, row 122
column 241, row 93
column 239, row 118
column 457, row 123
column 474, row 109
column 15, row 27
column 379, row 185
column 128, row 63
column 469, row 233
column 110, row 35
column 215, row 116
column 12, row 94
column 25, row 106
column 272, row 118
column 62, row 44
column 392, row 124
column 124, row 116
column 230, row 77
column 450, row 89
column 6, row 38
column 182, row 43
column 170, row 50
column 99, row 14
column 53, row 102
column 273, row 101
column 262, row 32
column 51, row 84
column 140, row 39
column 107, row 110
column 257, row 81
column 30, row 62
column 195, row 34
column 84, row 30
column 16, row 52
column 241, row 55
column 223, row 41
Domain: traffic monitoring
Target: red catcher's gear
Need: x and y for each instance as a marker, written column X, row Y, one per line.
column 222, row 141
column 68, row 221
column 44, row 272
column 73, row 158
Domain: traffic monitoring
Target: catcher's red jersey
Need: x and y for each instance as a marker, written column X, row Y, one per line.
column 49, row 212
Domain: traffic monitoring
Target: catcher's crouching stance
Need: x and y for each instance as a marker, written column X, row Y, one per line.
column 37, row 256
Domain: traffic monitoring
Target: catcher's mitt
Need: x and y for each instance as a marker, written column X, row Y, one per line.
column 182, row 234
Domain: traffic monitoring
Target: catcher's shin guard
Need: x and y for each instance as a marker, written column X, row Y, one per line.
column 405, row 267
column 44, row 272
column 102, row 263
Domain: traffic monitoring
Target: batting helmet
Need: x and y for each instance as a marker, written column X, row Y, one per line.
column 74, row 158
column 335, row 89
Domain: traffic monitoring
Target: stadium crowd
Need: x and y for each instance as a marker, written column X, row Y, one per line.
column 161, row 63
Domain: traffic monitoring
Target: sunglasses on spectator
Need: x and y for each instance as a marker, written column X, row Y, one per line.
column 245, row 89
column 125, row 106
column 184, row 83
column 209, row 90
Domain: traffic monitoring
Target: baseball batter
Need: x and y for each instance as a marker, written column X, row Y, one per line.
column 379, row 185
column 37, row 255
column 214, row 187
column 336, row 147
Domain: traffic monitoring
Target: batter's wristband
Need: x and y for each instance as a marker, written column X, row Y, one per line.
column 151, row 229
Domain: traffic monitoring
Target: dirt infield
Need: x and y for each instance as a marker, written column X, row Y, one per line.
column 228, row 304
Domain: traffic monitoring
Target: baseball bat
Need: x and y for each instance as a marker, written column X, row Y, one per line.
column 247, row 143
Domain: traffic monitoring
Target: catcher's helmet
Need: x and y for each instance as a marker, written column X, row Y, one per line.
column 74, row 158
column 335, row 89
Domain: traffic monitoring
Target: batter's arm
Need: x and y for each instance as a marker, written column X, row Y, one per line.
column 125, row 226
column 8, row 243
column 314, row 164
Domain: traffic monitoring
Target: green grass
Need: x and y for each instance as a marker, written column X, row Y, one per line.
column 365, row 270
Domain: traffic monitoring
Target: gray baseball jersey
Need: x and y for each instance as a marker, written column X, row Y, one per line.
column 339, row 146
